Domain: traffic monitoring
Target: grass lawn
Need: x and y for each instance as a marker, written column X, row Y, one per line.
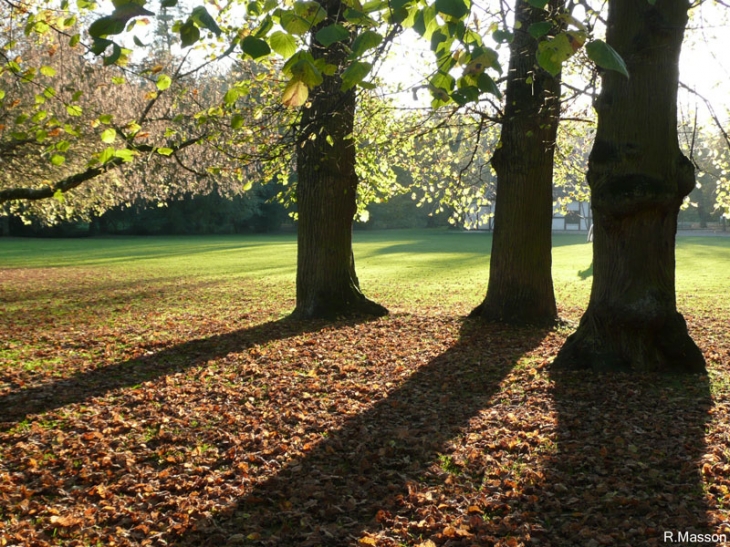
column 151, row 394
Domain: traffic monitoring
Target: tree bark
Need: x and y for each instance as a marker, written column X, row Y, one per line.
column 638, row 178
column 327, row 285
column 520, row 289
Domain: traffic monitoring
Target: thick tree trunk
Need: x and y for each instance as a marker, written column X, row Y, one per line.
column 520, row 289
column 327, row 286
column 638, row 178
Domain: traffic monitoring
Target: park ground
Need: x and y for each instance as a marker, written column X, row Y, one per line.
column 153, row 393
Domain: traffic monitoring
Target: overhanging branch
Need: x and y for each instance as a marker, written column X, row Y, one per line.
column 73, row 181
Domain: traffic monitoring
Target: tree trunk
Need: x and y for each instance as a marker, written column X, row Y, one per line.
column 520, row 289
column 638, row 178
column 327, row 286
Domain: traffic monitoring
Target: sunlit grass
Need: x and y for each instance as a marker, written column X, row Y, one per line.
column 407, row 270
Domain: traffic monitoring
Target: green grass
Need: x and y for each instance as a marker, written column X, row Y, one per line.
column 404, row 269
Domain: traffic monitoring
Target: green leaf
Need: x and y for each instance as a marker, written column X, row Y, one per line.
column 189, row 34
column 426, row 23
column 99, row 46
column 295, row 94
column 48, row 71
column 231, row 96
column 465, row 95
column 164, row 151
column 606, row 57
column 58, row 196
column 482, row 58
column 375, row 5
column 63, row 146
column 75, row 39
column 138, row 42
column 439, row 94
column 124, row 154
column 201, row 16
column 538, row 3
column 538, row 30
column 114, row 57
column 305, row 71
column 58, row 160
column 163, row 82
column 311, row 11
column 457, row 9
column 106, row 26
column 325, row 68
column 237, row 121
column 331, row 34
column 365, row 41
column 168, row 3
column 442, row 80
column 282, row 43
column 254, row 8
column 106, row 119
column 487, row 85
column 294, row 24
column 359, row 18
column 264, row 28
column 255, row 47
column 106, row 155
column 551, row 54
column 115, row 23
column 108, row 136
column 74, row 110
column 354, row 74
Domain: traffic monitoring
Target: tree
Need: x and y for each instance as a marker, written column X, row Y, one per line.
column 638, row 179
column 520, row 286
column 327, row 285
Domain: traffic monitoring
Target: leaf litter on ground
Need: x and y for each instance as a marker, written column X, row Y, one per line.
column 127, row 418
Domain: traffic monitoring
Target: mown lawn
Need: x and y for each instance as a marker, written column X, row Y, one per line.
column 151, row 393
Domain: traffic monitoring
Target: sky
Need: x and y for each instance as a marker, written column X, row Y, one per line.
column 704, row 64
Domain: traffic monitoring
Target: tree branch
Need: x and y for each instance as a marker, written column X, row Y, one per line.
column 63, row 185
column 73, row 181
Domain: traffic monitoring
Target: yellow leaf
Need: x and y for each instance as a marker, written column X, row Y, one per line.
column 367, row 541
column 295, row 94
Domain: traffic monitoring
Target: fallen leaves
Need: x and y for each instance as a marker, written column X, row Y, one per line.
column 162, row 425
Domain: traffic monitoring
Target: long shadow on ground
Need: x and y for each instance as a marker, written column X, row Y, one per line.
column 627, row 468
column 373, row 467
column 18, row 404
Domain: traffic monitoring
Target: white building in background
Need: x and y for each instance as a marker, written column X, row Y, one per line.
column 577, row 219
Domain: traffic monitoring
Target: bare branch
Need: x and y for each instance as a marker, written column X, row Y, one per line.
column 711, row 110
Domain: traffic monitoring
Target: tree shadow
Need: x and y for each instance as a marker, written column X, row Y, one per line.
column 378, row 458
column 18, row 404
column 588, row 272
column 628, row 464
